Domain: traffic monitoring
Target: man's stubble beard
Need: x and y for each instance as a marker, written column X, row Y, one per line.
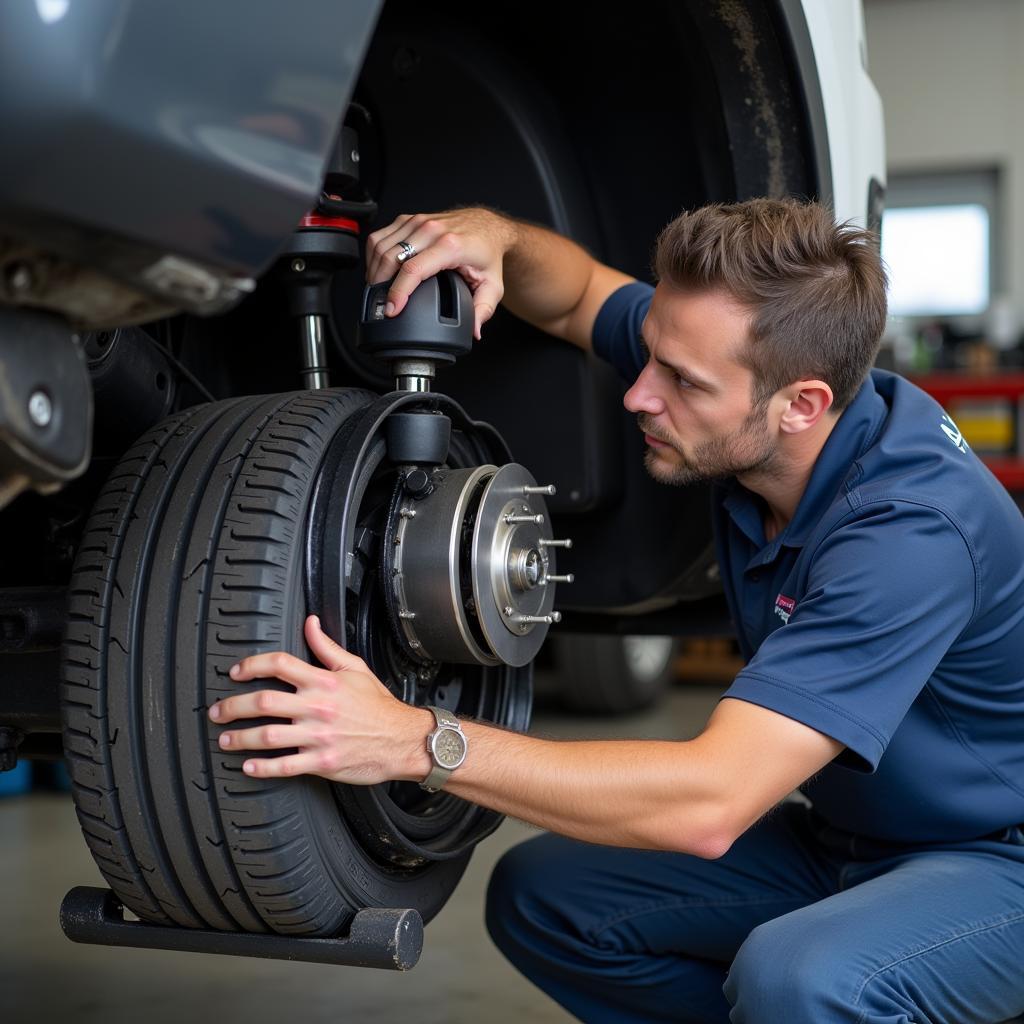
column 748, row 450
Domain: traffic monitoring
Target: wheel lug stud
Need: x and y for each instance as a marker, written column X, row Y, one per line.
column 547, row 620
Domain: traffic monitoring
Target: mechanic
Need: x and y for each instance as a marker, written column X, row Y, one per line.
column 875, row 574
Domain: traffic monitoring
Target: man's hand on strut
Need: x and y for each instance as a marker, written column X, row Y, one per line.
column 471, row 241
column 345, row 723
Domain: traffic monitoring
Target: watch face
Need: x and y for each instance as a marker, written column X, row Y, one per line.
column 449, row 748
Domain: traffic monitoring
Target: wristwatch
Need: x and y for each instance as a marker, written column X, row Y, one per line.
column 446, row 746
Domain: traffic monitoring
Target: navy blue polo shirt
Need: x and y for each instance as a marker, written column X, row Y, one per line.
column 888, row 614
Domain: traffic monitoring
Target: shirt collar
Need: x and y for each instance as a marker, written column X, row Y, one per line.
column 855, row 432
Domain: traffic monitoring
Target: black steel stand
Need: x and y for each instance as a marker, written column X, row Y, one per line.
column 388, row 939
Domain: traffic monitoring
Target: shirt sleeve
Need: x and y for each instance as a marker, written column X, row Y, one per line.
column 616, row 334
column 888, row 592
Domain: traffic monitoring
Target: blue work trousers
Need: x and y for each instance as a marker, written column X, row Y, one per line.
column 798, row 923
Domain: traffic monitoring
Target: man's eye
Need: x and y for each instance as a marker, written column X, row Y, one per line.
column 683, row 383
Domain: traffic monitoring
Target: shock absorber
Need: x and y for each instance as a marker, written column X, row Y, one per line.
column 327, row 240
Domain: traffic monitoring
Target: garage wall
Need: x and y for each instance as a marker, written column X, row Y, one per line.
column 951, row 77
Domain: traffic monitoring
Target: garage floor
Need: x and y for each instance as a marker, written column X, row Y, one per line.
column 460, row 977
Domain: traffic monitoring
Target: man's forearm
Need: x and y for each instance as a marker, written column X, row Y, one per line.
column 694, row 796
column 646, row 794
column 546, row 276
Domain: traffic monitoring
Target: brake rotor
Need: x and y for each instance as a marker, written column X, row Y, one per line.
column 471, row 566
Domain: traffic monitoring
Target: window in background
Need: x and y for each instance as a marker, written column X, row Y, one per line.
column 938, row 260
column 953, row 327
column 938, row 243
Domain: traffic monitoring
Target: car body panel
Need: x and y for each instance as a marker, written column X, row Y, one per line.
column 193, row 129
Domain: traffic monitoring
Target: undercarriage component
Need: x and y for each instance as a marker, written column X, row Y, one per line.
column 424, row 565
column 469, row 561
column 470, row 565
column 418, row 439
column 46, row 404
column 41, row 278
column 318, row 249
column 327, row 241
column 90, row 298
column 512, row 563
column 436, row 326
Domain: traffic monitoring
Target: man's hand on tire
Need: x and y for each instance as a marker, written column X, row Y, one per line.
column 345, row 724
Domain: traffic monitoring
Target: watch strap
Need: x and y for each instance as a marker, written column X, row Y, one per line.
column 444, row 717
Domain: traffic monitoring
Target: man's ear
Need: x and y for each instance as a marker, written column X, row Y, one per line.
column 807, row 401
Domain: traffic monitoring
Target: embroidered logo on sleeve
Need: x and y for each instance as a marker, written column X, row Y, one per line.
column 952, row 431
column 784, row 607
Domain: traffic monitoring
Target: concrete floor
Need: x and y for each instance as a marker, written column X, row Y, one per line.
column 460, row 977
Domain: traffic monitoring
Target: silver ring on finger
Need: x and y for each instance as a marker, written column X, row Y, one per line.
column 408, row 251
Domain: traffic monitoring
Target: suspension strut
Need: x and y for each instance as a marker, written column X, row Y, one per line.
column 326, row 241
column 470, row 556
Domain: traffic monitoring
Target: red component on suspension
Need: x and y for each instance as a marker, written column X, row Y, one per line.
column 316, row 220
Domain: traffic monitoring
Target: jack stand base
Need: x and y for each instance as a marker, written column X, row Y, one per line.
column 388, row 939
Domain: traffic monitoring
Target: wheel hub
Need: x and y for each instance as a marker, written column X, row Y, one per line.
column 470, row 563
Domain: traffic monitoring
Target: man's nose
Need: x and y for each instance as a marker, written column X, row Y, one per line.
column 642, row 397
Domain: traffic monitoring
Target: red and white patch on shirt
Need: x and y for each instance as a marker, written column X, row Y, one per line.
column 784, row 607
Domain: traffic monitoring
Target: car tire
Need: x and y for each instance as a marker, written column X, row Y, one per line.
column 193, row 558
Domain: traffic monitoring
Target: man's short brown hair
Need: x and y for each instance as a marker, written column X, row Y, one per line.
column 815, row 289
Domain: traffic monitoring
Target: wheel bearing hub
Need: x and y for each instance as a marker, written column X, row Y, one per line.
column 470, row 564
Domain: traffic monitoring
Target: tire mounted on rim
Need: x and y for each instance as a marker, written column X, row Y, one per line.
column 198, row 553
